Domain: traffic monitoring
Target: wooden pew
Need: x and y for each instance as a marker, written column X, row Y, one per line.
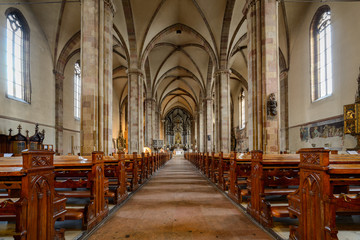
column 223, row 170
column 29, row 182
column 207, row 165
column 141, row 168
column 240, row 170
column 215, row 163
column 115, row 173
column 271, row 175
column 83, row 172
column 146, row 157
column 324, row 191
column 131, row 169
column 151, row 164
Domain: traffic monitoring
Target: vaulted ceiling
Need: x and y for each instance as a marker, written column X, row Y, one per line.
column 179, row 43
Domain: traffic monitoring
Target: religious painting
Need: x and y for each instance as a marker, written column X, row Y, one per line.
column 304, row 134
column 327, row 130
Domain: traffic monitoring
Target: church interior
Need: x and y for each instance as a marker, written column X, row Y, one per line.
column 166, row 119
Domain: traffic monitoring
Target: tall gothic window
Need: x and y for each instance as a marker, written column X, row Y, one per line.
column 242, row 109
column 77, row 90
column 17, row 56
column 321, row 62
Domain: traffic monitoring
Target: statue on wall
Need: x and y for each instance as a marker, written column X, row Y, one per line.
column 271, row 105
column 120, row 143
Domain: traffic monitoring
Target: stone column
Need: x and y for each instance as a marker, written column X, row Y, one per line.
column 193, row 133
column 263, row 74
column 162, row 130
column 196, row 131
column 59, row 112
column 149, row 121
column 96, row 72
column 107, row 76
column 156, row 122
column 222, row 87
column 141, row 114
column 209, row 138
column 201, row 130
column 135, row 123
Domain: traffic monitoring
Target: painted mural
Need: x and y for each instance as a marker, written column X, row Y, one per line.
column 322, row 131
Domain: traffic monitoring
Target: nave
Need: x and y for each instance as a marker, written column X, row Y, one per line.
column 178, row 203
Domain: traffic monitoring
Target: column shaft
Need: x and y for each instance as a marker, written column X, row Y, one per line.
column 59, row 112
column 223, row 109
column 156, row 123
column 263, row 73
column 209, row 138
column 134, row 124
column 201, row 131
column 96, row 72
column 107, row 78
column 90, row 75
column 149, row 121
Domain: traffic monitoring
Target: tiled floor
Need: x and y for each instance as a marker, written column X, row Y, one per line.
column 178, row 203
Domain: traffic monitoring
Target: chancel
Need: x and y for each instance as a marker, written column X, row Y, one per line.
column 180, row 119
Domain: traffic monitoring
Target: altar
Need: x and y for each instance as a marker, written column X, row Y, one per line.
column 179, row 152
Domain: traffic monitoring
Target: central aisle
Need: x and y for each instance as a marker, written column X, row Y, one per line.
column 178, row 203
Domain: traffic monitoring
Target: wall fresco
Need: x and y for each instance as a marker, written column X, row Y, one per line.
column 322, row 131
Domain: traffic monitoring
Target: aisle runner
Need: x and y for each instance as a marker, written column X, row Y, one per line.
column 178, row 203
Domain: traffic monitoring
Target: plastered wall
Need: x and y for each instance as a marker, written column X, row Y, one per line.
column 346, row 61
column 42, row 107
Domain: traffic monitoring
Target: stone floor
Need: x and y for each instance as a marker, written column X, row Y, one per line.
column 178, row 203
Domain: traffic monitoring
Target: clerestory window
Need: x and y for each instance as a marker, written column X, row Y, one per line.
column 321, row 64
column 17, row 56
column 77, row 91
column 242, row 109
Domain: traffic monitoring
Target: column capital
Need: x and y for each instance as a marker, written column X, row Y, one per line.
column 248, row 4
column 58, row 74
column 110, row 4
column 135, row 71
column 222, row 71
column 150, row 100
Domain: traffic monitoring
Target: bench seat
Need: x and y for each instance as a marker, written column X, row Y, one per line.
column 279, row 191
column 75, row 194
column 74, row 213
column 280, row 211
